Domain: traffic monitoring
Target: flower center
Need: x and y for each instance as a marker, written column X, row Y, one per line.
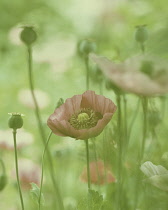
column 84, row 119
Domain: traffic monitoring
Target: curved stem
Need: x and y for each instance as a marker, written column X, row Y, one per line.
column 42, row 133
column 119, row 152
column 133, row 119
column 125, row 124
column 42, row 169
column 17, row 170
column 96, row 160
column 137, row 185
column 145, row 107
column 88, row 168
column 3, row 166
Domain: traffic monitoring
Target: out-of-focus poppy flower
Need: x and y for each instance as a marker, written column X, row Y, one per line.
column 28, row 172
column 24, row 139
column 142, row 75
column 99, row 174
column 25, row 98
column 82, row 116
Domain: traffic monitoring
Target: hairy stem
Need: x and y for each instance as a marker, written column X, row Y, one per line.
column 42, row 133
column 42, row 170
column 17, row 170
column 119, row 153
column 87, row 160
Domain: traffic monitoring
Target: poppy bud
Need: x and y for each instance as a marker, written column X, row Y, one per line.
column 15, row 121
column 86, row 46
column 3, row 181
column 28, row 35
column 141, row 34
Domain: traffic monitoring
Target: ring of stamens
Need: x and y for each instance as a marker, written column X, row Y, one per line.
column 85, row 118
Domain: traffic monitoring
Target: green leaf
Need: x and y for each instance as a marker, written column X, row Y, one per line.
column 159, row 181
column 35, row 193
column 94, row 201
column 157, row 175
column 149, row 169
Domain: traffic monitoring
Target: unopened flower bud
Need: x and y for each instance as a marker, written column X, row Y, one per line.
column 86, row 46
column 28, row 35
column 3, row 181
column 15, row 121
column 141, row 34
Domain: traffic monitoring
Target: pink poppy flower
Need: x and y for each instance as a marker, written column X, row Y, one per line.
column 82, row 116
column 99, row 174
column 142, row 75
column 28, row 172
column 24, row 139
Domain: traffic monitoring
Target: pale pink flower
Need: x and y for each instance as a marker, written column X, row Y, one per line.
column 28, row 172
column 130, row 77
column 99, row 173
column 82, row 116
column 24, row 139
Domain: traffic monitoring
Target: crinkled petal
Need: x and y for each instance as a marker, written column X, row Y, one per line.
column 59, row 120
column 97, row 102
column 128, row 77
column 65, row 111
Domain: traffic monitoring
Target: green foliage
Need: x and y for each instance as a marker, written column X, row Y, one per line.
column 94, row 201
column 35, row 192
column 157, row 175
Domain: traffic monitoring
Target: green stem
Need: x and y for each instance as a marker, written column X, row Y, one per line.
column 3, row 166
column 87, row 72
column 17, row 170
column 101, row 87
column 96, row 160
column 137, row 185
column 125, row 123
column 133, row 119
column 119, row 152
column 42, row 169
column 145, row 107
column 88, row 168
column 142, row 46
column 105, row 153
column 42, row 133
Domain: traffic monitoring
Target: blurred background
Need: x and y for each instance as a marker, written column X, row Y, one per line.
column 59, row 72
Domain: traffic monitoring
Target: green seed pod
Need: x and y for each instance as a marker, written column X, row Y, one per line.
column 3, row 181
column 86, row 46
column 141, row 34
column 28, row 35
column 15, row 121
